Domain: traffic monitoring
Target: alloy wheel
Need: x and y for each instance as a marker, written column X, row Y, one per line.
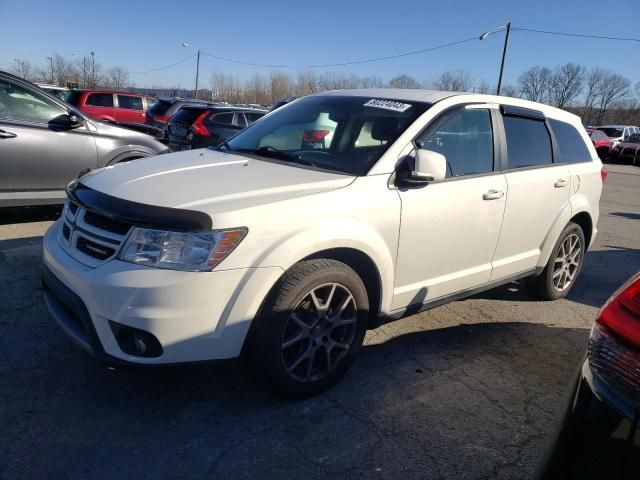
column 567, row 262
column 319, row 332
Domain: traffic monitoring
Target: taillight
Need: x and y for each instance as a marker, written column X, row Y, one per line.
column 198, row 127
column 161, row 118
column 314, row 136
column 621, row 313
column 603, row 173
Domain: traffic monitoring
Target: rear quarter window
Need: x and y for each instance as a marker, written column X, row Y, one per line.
column 571, row 147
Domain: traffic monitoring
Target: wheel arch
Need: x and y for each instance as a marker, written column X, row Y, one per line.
column 586, row 223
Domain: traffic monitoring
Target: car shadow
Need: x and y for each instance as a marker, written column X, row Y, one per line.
column 40, row 213
column 627, row 215
column 603, row 272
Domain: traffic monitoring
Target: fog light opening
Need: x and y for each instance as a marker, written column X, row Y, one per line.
column 134, row 341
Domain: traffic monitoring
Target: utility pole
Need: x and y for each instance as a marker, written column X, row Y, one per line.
column 51, row 65
column 197, row 72
column 93, row 70
column 504, row 55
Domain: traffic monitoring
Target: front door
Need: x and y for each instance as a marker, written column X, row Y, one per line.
column 37, row 154
column 449, row 229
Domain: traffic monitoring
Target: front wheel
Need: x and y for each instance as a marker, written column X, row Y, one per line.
column 311, row 327
column 564, row 265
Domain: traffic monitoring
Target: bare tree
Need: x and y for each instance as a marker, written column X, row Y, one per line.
column 23, row 69
column 509, row 91
column 403, row 81
column 117, row 77
column 535, row 84
column 593, row 84
column 614, row 89
column 256, row 90
column 371, row 82
column 454, row 81
column 566, row 84
column 484, row 87
column 281, row 86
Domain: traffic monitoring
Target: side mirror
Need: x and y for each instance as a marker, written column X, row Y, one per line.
column 430, row 167
column 75, row 120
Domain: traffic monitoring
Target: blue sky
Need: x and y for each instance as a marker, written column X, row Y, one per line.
column 145, row 35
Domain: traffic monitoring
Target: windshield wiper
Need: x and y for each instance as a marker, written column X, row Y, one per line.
column 274, row 152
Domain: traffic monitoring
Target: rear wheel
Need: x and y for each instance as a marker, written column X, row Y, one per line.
column 312, row 327
column 564, row 265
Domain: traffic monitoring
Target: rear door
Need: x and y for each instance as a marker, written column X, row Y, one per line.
column 538, row 191
column 222, row 125
column 129, row 109
column 99, row 105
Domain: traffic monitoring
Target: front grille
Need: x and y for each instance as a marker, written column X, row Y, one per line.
column 93, row 249
column 106, row 223
column 66, row 231
column 615, row 363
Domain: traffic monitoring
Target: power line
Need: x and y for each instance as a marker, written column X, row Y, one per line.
column 342, row 64
column 166, row 66
column 567, row 34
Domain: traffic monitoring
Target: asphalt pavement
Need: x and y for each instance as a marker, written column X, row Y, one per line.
column 469, row 390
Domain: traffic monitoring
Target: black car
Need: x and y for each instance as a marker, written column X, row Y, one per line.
column 600, row 436
column 159, row 114
column 205, row 126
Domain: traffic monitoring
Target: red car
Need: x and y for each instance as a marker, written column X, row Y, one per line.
column 601, row 142
column 627, row 151
column 111, row 106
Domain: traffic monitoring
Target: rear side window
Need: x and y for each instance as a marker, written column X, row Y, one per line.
column 528, row 142
column 100, row 100
column 570, row 144
column 239, row 120
column 130, row 102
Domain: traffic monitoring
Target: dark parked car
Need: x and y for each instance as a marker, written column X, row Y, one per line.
column 158, row 116
column 600, row 436
column 44, row 144
column 203, row 126
column 628, row 150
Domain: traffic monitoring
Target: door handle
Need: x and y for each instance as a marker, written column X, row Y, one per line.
column 493, row 195
column 561, row 182
column 4, row 134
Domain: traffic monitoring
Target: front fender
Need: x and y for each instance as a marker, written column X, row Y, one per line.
column 333, row 235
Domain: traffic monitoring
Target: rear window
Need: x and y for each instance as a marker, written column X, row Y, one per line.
column 570, row 144
column 612, row 132
column 186, row 115
column 528, row 142
column 74, row 98
column 160, row 107
column 100, row 100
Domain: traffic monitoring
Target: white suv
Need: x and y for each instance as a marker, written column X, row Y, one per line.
column 419, row 198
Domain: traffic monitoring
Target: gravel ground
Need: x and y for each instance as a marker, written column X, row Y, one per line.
column 466, row 390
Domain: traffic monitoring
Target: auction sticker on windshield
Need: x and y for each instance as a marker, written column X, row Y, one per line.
column 388, row 105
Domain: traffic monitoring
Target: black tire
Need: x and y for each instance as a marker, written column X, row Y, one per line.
column 313, row 346
column 545, row 286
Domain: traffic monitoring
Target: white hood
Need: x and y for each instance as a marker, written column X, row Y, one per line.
column 209, row 180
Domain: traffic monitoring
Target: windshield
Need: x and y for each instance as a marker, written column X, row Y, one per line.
column 612, row 132
column 338, row 133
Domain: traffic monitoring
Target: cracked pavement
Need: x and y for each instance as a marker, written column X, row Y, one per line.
column 469, row 390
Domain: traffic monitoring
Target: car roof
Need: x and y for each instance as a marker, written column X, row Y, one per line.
column 91, row 90
column 229, row 108
column 615, row 126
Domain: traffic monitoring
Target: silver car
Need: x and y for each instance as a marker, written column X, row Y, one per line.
column 44, row 144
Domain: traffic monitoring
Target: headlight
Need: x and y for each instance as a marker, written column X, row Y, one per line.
column 180, row 250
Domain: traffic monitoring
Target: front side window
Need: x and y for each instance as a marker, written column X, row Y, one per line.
column 18, row 103
column 570, row 144
column 240, row 121
column 344, row 134
column 465, row 138
column 635, row 138
column 528, row 142
column 252, row 116
column 130, row 102
column 100, row 100
column 612, row 132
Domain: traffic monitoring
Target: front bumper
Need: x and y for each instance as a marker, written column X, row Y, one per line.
column 195, row 316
